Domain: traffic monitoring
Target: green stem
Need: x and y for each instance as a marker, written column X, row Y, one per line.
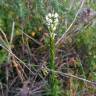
column 53, row 76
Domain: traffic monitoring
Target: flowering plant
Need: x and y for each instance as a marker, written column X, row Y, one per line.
column 52, row 22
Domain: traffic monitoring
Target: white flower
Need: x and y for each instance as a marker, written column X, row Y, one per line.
column 49, row 15
column 56, row 15
column 53, row 35
column 52, row 20
column 47, row 18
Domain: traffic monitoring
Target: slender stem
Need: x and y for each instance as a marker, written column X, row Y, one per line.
column 52, row 53
column 53, row 77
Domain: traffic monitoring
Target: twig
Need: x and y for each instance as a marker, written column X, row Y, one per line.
column 31, row 38
column 16, row 57
column 64, row 35
column 70, row 75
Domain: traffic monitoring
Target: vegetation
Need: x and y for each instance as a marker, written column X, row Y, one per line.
column 47, row 48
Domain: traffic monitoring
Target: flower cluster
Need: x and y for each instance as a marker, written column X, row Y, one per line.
column 52, row 20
